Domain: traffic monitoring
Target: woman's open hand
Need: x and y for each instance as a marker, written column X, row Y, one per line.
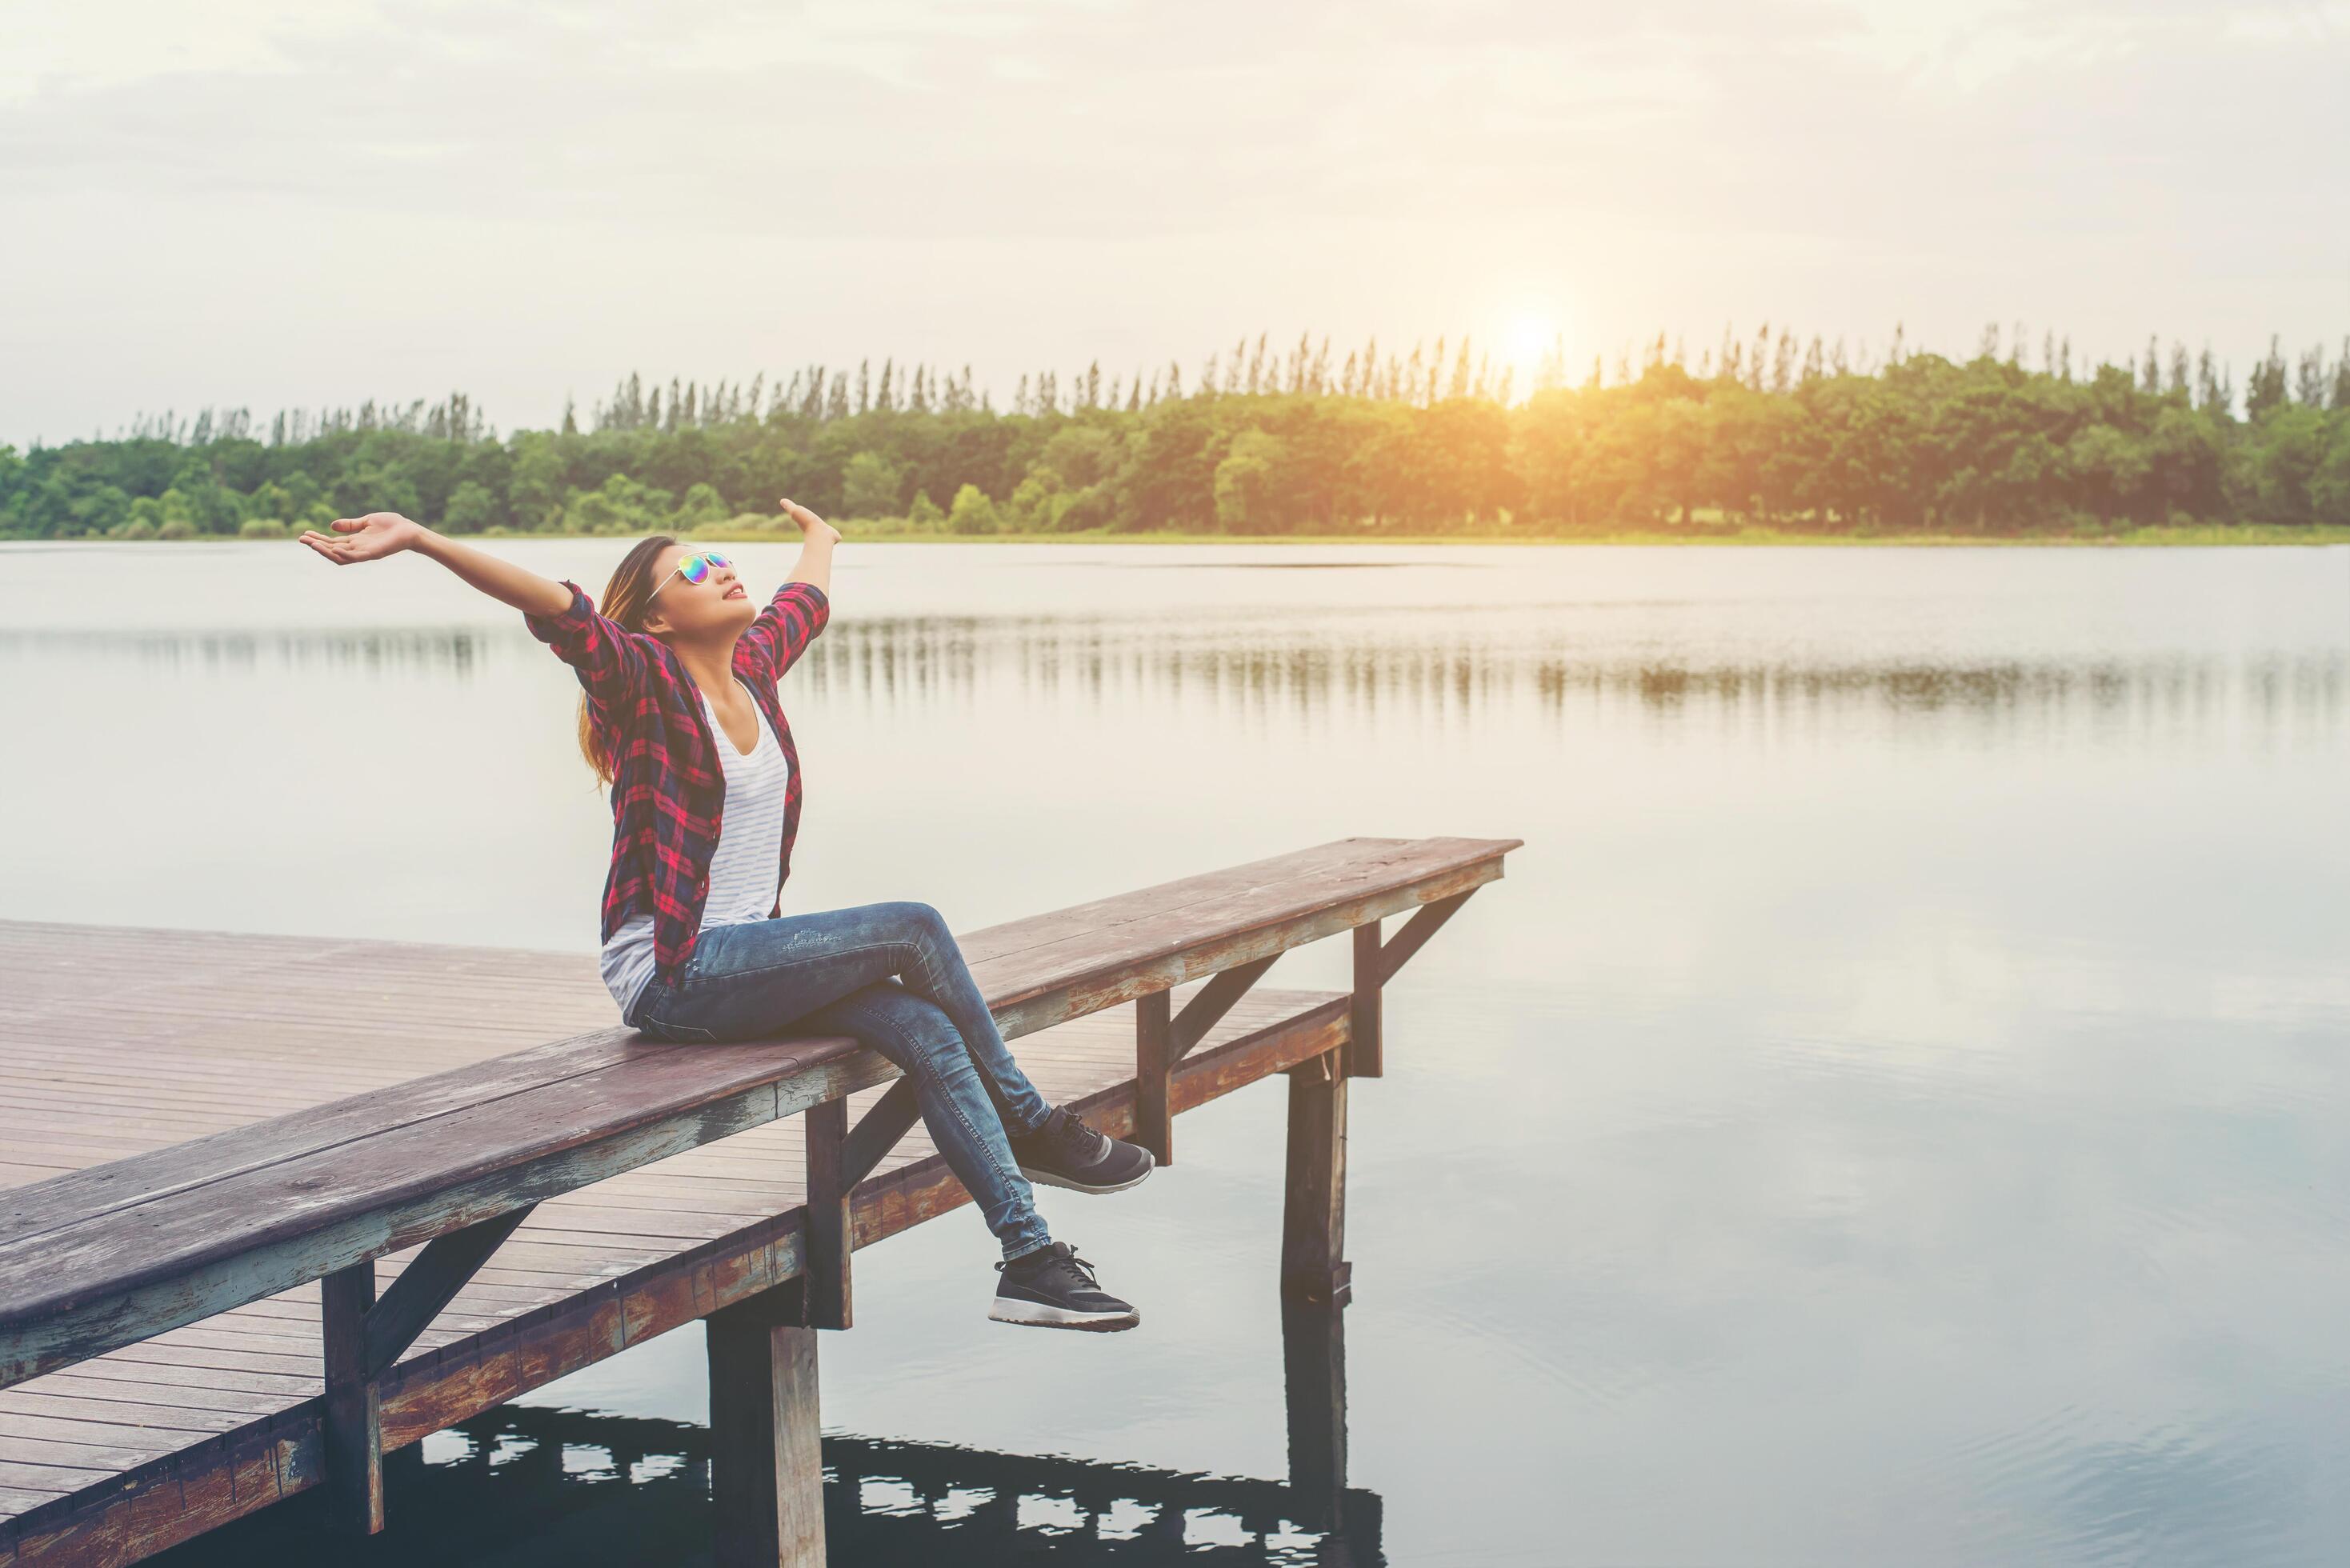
column 367, row 538
column 813, row 528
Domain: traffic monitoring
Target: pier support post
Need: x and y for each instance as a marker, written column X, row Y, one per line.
column 1154, row 1071
column 1316, row 1285
column 1366, row 1049
column 1314, row 1193
column 766, row 1466
column 364, row 1335
column 354, row 1414
column 828, row 1297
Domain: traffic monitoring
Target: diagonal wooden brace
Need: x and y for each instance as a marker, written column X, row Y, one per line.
column 837, row 1159
column 878, row 1130
column 429, row 1284
column 1162, row 1039
column 363, row 1337
column 1213, row 1000
column 1376, row 963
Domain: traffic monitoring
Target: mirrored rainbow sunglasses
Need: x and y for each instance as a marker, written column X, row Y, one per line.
column 696, row 569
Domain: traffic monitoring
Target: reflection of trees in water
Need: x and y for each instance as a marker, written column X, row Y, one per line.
column 1258, row 666
column 453, row 651
column 530, row 1486
column 884, row 663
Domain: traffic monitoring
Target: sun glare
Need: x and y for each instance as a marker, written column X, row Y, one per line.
column 1531, row 337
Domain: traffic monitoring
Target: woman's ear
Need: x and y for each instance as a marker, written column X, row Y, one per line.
column 653, row 623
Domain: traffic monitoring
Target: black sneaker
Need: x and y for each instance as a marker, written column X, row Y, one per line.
column 1064, row 1152
column 1051, row 1287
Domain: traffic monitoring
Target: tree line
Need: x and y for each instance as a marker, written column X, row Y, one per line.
column 1265, row 439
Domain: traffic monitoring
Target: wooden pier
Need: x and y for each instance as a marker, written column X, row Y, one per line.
column 274, row 1207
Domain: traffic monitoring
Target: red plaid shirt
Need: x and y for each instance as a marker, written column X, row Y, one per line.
column 668, row 788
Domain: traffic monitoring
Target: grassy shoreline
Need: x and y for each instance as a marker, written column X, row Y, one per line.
column 2215, row 535
column 881, row 531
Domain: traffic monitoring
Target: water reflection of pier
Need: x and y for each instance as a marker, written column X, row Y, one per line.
column 522, row 1487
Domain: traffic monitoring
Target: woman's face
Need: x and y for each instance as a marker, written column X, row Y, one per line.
column 717, row 607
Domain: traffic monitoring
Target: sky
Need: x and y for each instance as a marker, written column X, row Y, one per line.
column 260, row 205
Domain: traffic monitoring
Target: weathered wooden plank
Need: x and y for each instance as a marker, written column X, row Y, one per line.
column 1268, row 1031
column 71, row 1294
column 908, row 1193
column 185, row 1270
column 1091, row 943
column 1153, row 947
column 27, row 1426
column 478, row 1091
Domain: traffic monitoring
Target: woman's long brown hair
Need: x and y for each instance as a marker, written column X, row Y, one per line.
column 626, row 598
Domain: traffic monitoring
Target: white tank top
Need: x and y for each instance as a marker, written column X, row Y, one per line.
column 745, row 869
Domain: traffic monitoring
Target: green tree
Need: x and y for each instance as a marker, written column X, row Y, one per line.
column 620, row 505
column 471, row 508
column 701, row 507
column 973, row 511
column 869, row 481
column 1248, row 483
column 272, row 502
column 536, row 491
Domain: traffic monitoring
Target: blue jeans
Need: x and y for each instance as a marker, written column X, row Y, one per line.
column 890, row 976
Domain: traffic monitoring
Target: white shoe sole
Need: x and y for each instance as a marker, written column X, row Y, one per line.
column 1044, row 1314
column 1053, row 1178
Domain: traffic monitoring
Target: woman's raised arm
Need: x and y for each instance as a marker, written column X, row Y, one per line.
column 803, row 605
column 381, row 534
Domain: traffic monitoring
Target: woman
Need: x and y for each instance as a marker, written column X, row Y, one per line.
column 680, row 716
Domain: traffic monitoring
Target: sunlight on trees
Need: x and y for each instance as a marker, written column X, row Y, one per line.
column 1266, row 441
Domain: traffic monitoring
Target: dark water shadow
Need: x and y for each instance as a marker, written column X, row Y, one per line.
column 530, row 1487
column 543, row 1487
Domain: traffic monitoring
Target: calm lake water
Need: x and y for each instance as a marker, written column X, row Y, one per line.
column 1895, row 1109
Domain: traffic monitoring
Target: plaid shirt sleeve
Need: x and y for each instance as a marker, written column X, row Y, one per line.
column 605, row 656
column 785, row 629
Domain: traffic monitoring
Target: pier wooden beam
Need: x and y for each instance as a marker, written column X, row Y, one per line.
column 828, row 1300
column 1162, row 1038
column 838, row 1157
column 1365, row 1052
column 1313, row 1192
column 1154, row 1068
column 1376, row 963
column 363, row 1336
column 354, row 1410
column 766, row 1465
